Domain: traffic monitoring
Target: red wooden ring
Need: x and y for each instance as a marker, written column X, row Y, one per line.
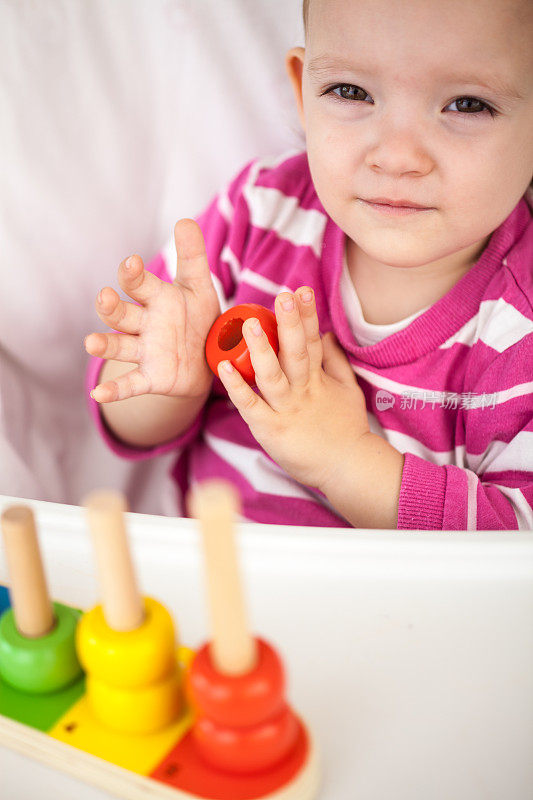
column 252, row 749
column 237, row 700
column 225, row 341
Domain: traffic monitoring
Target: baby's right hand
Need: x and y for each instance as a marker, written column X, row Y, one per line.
column 165, row 334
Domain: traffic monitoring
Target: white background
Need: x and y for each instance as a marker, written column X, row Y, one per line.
column 117, row 117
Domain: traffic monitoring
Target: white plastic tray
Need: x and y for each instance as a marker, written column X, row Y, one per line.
column 410, row 654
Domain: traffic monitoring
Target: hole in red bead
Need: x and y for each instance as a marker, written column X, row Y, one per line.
column 231, row 334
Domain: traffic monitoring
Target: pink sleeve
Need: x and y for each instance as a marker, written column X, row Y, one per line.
column 495, row 489
column 224, row 224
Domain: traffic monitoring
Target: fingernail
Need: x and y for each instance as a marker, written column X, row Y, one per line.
column 129, row 262
column 287, row 305
column 226, row 366
column 306, row 297
column 255, row 327
column 99, row 298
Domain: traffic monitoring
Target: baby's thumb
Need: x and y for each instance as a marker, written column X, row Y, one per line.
column 192, row 270
column 334, row 361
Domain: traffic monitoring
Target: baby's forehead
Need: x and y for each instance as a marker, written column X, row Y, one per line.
column 496, row 32
column 509, row 12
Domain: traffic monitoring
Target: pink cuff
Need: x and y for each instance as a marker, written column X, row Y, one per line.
column 422, row 495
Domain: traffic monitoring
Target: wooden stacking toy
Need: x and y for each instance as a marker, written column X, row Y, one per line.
column 126, row 645
column 226, row 342
column 236, row 682
column 37, row 637
column 110, row 696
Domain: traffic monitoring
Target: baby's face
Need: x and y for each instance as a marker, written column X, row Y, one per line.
column 411, row 118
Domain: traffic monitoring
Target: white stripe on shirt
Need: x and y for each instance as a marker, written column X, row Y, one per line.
column 262, row 283
column 408, row 444
column 270, row 209
column 474, row 401
column 261, row 473
column 522, row 509
column 228, row 256
column 225, row 207
column 170, row 257
column 472, row 482
column 224, row 302
column 497, row 324
column 504, row 456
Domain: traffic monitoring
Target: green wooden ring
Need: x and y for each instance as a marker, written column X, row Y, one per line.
column 44, row 664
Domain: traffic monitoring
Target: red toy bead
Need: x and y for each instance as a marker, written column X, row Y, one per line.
column 237, row 700
column 225, row 341
column 243, row 750
column 243, row 723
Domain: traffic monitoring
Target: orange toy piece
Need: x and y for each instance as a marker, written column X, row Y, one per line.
column 243, row 723
column 238, row 700
column 225, row 341
column 247, row 750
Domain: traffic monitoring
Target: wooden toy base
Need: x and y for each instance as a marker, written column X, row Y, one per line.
column 60, row 730
column 133, row 786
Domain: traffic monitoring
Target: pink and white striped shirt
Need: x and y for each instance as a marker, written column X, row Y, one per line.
column 451, row 387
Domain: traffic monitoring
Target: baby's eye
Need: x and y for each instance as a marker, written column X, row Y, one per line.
column 464, row 105
column 347, row 91
column 472, row 105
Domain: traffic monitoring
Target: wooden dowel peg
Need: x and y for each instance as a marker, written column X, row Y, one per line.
column 121, row 601
column 32, row 608
column 233, row 649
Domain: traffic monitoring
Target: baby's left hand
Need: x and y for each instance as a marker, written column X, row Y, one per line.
column 311, row 411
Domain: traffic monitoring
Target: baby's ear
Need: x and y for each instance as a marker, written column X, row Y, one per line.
column 294, row 64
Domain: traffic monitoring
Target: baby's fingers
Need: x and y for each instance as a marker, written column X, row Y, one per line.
column 250, row 406
column 309, row 317
column 117, row 314
column 117, row 346
column 140, row 284
column 131, row 384
column 335, row 362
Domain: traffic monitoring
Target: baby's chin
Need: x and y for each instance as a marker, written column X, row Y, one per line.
column 398, row 248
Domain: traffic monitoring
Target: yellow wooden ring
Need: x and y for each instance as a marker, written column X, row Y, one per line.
column 128, row 659
column 136, row 711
